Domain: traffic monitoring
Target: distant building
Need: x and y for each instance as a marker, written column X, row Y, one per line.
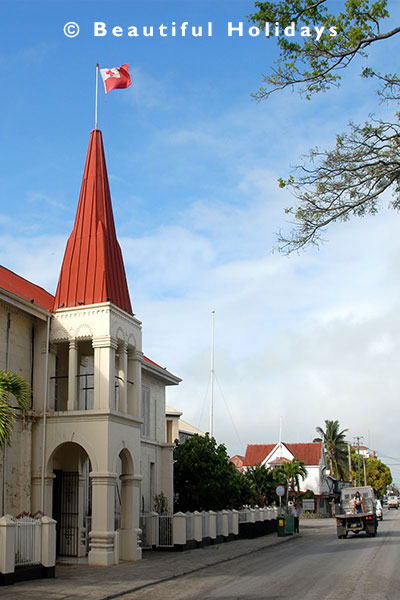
column 312, row 454
column 365, row 451
column 177, row 429
column 238, row 461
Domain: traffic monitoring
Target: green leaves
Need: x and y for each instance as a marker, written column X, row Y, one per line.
column 335, row 447
column 350, row 178
column 13, row 388
column 204, row 477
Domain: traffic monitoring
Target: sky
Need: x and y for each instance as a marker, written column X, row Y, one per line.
column 193, row 163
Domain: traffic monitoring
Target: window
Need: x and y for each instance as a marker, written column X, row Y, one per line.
column 146, row 412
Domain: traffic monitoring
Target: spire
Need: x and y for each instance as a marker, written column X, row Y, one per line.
column 93, row 269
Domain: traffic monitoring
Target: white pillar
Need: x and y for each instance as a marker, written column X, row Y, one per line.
column 48, row 542
column 102, row 536
column 179, row 528
column 72, row 375
column 104, row 372
column 212, row 524
column 198, row 526
column 134, row 395
column 130, row 505
column 7, row 545
column 123, row 376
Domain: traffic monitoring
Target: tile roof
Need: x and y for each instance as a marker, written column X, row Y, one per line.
column 24, row 289
column 256, row 453
column 309, row 453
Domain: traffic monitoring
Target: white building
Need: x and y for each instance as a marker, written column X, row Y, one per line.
column 312, row 454
column 177, row 428
column 92, row 451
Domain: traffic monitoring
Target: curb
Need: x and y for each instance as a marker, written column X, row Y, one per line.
column 196, row 569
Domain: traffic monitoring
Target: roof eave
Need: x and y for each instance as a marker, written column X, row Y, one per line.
column 30, row 307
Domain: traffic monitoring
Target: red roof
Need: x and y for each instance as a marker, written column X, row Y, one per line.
column 151, row 362
column 25, row 289
column 93, row 270
column 309, row 453
column 256, row 453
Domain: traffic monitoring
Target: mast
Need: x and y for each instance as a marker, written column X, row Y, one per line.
column 212, row 377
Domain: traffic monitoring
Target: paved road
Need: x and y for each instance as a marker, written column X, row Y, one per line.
column 314, row 566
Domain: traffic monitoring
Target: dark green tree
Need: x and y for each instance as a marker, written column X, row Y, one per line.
column 335, row 447
column 349, row 179
column 204, row 477
column 262, row 483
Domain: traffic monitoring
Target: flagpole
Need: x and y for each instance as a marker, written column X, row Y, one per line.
column 97, row 95
column 212, row 377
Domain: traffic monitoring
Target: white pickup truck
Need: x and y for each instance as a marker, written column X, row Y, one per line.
column 350, row 520
column 393, row 502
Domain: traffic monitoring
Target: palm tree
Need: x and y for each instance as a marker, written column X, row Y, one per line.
column 11, row 384
column 335, row 447
column 291, row 473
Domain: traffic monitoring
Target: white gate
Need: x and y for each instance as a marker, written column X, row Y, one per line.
column 28, row 541
column 165, row 531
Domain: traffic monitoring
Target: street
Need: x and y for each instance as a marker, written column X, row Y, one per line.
column 314, row 566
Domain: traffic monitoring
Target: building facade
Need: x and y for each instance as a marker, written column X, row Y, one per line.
column 312, row 454
column 92, row 451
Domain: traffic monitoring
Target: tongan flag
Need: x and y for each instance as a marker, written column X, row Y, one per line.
column 116, row 78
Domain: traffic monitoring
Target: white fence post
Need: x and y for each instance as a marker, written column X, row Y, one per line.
column 212, row 524
column 155, row 529
column 225, row 523
column 235, row 522
column 252, row 515
column 179, row 529
column 48, row 542
column 198, row 526
column 7, row 544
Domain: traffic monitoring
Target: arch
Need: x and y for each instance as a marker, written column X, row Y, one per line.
column 125, row 455
column 120, row 334
column 69, row 465
column 84, row 331
column 132, row 341
column 79, row 441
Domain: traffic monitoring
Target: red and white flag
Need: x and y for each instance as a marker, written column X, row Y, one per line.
column 116, row 78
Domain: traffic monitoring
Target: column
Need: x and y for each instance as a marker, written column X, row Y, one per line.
column 73, row 375
column 123, row 376
column 130, row 507
column 104, row 372
column 102, row 536
column 134, row 394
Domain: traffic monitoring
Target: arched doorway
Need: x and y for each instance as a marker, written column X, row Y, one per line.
column 71, row 498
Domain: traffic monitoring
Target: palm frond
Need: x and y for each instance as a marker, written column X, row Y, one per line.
column 7, row 420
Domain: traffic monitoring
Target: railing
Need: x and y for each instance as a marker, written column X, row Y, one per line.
column 244, row 516
column 165, row 531
column 146, row 525
column 181, row 529
column 28, row 541
column 85, row 393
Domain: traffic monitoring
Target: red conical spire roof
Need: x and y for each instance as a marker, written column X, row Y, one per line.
column 93, row 269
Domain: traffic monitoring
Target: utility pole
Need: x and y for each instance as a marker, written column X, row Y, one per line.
column 365, row 471
column 358, row 438
column 350, row 466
